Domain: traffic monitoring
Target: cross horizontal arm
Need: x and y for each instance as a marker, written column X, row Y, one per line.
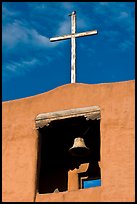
column 91, row 32
column 64, row 37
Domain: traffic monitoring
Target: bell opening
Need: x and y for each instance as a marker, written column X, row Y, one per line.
column 79, row 151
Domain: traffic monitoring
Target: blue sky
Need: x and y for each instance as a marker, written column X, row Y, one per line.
column 31, row 64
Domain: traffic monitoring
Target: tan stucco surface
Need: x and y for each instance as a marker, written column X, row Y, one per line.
column 19, row 141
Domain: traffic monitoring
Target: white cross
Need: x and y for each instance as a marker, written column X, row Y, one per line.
column 73, row 35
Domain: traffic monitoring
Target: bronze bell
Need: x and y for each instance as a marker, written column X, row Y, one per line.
column 79, row 148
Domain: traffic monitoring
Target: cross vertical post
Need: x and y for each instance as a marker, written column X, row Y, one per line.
column 73, row 48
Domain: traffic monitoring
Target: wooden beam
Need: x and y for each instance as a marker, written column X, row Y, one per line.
column 73, row 49
column 64, row 37
column 90, row 113
column 91, row 32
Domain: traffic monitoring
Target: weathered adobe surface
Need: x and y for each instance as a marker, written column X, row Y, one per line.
column 19, row 141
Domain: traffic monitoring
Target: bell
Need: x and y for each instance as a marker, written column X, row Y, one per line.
column 79, row 148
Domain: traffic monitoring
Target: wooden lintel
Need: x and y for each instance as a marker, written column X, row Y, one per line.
column 44, row 119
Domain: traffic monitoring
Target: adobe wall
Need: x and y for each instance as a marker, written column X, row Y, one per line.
column 20, row 140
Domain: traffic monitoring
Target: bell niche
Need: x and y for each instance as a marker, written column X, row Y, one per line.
column 68, row 140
